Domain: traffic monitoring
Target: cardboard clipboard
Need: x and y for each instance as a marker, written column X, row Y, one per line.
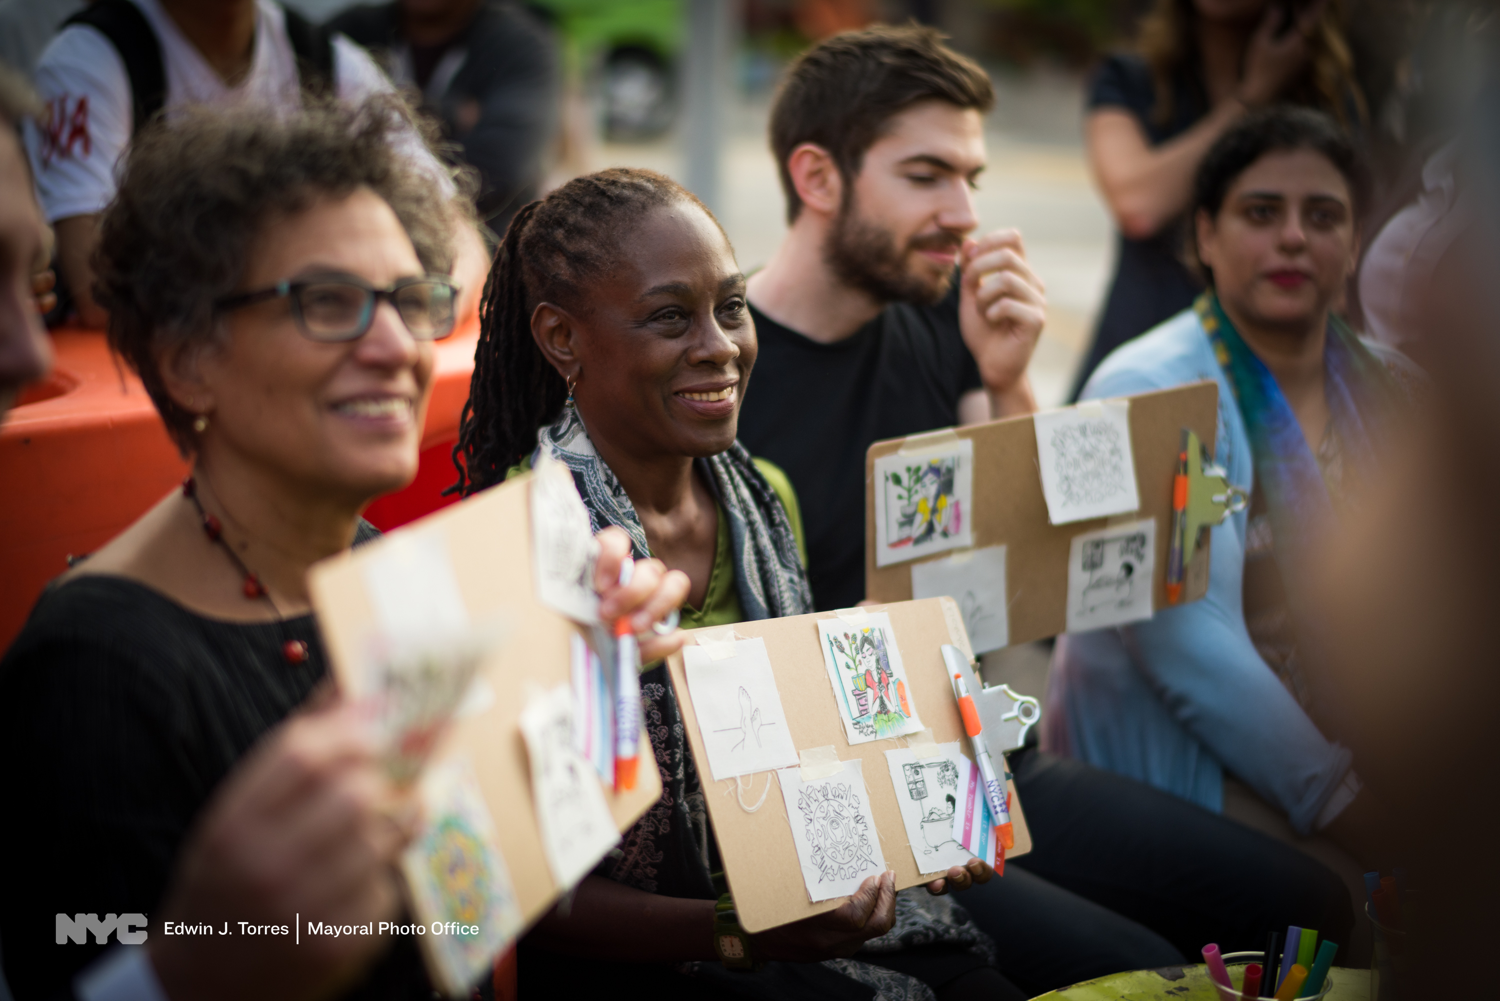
column 760, row 859
column 487, row 539
column 1010, row 509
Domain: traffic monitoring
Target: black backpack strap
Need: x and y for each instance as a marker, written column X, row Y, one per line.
column 313, row 46
column 130, row 33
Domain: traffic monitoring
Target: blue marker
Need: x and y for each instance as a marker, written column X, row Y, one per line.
column 1289, row 956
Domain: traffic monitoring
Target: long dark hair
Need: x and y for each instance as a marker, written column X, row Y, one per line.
column 550, row 251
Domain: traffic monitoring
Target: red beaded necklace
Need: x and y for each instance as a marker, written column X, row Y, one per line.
column 292, row 651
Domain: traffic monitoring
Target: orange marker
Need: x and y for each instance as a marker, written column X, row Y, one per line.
column 1291, row 983
column 1179, row 526
column 627, row 695
column 994, row 789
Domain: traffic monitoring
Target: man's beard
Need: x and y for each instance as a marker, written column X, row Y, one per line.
column 864, row 255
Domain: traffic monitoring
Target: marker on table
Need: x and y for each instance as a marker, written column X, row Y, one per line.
column 1250, row 986
column 994, row 789
column 1179, row 525
column 1309, row 947
column 1291, row 986
column 1289, row 952
column 1269, row 976
column 1320, row 968
column 627, row 695
column 1216, row 970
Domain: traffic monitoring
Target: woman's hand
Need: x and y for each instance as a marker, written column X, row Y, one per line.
column 1275, row 58
column 868, row 913
column 961, row 877
column 308, row 823
column 652, row 594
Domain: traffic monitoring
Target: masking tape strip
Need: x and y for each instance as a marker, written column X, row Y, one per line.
column 958, row 635
column 1090, row 408
column 857, row 617
column 819, row 763
column 718, row 642
column 922, row 745
column 924, row 442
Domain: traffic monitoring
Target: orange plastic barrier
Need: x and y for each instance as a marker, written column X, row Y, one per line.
column 84, row 454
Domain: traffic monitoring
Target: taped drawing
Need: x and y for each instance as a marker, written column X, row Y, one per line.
column 1110, row 575
column 833, row 830
column 562, row 543
column 457, row 876
column 868, row 677
column 923, row 502
column 739, row 710
column 572, row 816
column 1087, row 467
column 976, row 581
column 928, row 792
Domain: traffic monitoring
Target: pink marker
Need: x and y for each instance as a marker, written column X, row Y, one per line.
column 1217, row 970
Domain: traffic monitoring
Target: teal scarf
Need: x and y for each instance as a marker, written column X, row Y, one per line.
column 1361, row 393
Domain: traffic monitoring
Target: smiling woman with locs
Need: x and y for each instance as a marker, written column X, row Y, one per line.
column 616, row 339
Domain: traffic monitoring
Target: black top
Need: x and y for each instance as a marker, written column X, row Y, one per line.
column 1151, row 283
column 499, row 107
column 815, row 409
column 120, row 713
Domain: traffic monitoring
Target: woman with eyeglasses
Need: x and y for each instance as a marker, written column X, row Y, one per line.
column 277, row 284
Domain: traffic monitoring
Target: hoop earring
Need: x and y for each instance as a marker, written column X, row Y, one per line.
column 570, row 383
column 200, row 423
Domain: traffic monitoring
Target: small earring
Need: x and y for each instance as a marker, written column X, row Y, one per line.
column 200, row 423
column 570, row 384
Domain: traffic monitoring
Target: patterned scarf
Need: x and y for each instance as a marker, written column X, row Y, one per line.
column 767, row 569
column 1360, row 391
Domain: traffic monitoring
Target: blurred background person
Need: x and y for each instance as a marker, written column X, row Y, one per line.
column 121, row 61
column 487, row 71
column 26, row 26
column 1199, row 66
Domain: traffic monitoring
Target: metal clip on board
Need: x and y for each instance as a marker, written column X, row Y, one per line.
column 1202, row 497
column 1004, row 715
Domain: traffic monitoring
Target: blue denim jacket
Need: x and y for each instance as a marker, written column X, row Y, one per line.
column 1177, row 700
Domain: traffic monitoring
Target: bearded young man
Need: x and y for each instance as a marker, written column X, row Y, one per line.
column 879, row 316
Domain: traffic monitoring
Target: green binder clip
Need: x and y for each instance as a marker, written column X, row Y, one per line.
column 1202, row 497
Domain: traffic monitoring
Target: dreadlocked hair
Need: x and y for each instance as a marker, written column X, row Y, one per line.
column 552, row 249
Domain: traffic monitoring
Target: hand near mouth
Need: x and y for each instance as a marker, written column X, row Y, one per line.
column 1002, row 307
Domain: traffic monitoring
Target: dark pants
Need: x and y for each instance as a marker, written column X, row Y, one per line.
column 1124, row 876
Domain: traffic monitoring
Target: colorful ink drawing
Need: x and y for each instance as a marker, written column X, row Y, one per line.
column 868, row 676
column 457, row 877
column 923, row 502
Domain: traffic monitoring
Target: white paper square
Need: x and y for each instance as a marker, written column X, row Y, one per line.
column 573, row 819
column 562, row 543
column 929, row 794
column 869, row 678
column 739, row 710
column 1110, row 575
column 1088, row 470
column 415, row 594
column 833, row 830
column 976, row 581
column 924, row 502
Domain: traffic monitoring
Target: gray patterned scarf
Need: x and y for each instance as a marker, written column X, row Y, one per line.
column 767, row 568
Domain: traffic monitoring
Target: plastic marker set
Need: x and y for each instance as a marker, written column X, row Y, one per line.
column 1291, row 969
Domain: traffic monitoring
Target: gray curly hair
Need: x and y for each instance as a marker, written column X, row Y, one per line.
column 198, row 188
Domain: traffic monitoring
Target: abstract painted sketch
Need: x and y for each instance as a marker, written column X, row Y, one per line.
column 1110, row 576
column 833, row 829
column 868, row 677
column 1087, row 467
column 923, row 502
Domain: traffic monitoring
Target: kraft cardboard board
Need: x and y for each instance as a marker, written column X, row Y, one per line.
column 487, row 538
column 1010, row 510
column 760, row 859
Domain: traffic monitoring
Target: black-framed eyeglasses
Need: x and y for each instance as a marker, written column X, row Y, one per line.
column 343, row 308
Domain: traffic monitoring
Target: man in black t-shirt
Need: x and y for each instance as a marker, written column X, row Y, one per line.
column 878, row 317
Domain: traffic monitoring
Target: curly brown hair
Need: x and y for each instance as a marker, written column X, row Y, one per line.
column 1166, row 41
column 198, row 188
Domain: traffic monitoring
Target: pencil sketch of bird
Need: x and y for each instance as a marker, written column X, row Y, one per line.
column 749, row 720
